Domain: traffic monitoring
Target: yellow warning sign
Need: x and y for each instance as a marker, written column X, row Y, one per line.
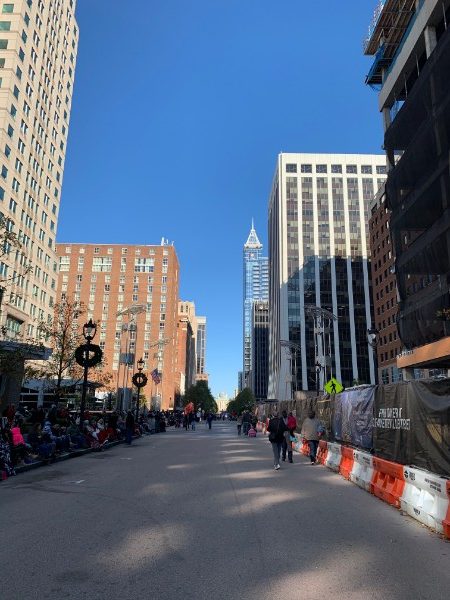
column 334, row 386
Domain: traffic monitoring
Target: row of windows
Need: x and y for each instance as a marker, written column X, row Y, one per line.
column 97, row 249
column 322, row 168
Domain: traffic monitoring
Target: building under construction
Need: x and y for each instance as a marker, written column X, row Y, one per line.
column 410, row 42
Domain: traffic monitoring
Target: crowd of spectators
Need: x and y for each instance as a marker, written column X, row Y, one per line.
column 42, row 435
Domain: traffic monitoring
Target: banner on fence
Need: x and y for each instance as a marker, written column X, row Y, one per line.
column 353, row 417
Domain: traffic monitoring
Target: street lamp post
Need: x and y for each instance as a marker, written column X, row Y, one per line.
column 87, row 355
column 139, row 380
column 318, row 369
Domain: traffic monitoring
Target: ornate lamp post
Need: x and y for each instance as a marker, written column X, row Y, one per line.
column 140, row 380
column 87, row 355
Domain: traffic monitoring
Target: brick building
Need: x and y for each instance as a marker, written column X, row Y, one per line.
column 113, row 281
column 387, row 344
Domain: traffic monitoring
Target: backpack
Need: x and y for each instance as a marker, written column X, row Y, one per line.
column 251, row 432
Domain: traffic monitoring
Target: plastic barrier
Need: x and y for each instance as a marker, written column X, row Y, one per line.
column 322, row 452
column 446, row 521
column 333, row 459
column 346, row 466
column 305, row 448
column 388, row 481
column 425, row 498
column 362, row 471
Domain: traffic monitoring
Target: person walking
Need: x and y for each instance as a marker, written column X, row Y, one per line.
column 192, row 420
column 129, row 427
column 246, row 422
column 310, row 431
column 291, row 424
column 239, row 424
column 276, row 431
column 209, row 418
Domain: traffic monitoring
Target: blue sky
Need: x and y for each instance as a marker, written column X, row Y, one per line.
column 179, row 112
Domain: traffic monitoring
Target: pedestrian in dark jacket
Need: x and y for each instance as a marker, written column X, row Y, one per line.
column 291, row 423
column 276, row 430
column 129, row 427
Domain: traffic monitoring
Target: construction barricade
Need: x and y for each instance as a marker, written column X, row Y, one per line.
column 322, row 452
column 346, row 464
column 425, row 498
column 297, row 444
column 446, row 522
column 362, row 471
column 305, row 447
column 388, row 481
column 333, row 459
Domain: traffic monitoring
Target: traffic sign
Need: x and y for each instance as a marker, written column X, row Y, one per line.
column 334, row 386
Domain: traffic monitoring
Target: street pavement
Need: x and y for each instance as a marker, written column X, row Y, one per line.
column 202, row 515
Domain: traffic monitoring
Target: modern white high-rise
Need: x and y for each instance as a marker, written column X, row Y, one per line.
column 319, row 265
column 38, row 49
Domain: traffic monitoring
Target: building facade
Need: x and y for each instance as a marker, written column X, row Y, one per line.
column 410, row 42
column 320, row 281
column 260, row 349
column 186, row 341
column 385, row 340
column 38, row 50
column 132, row 292
column 256, row 287
column 202, row 374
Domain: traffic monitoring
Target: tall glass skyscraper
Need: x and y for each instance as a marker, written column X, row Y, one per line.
column 256, row 287
column 320, row 281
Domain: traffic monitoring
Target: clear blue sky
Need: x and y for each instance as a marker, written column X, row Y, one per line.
column 180, row 110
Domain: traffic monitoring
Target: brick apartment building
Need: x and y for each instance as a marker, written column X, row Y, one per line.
column 109, row 279
column 384, row 289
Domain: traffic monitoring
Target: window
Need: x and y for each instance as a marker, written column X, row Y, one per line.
column 366, row 169
column 336, row 168
column 321, row 168
column 8, row 8
column 381, row 170
column 291, row 168
column 7, row 151
column 3, row 44
column 5, row 25
column 306, row 168
column 351, row 169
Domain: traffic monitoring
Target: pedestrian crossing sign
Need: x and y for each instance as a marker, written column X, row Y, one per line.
column 334, row 386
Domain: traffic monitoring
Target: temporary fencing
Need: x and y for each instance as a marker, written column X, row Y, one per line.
column 388, row 481
column 422, row 495
column 362, row 471
column 426, row 498
column 347, row 460
column 333, row 459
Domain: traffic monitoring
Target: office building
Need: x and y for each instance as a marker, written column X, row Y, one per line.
column 256, row 287
column 132, row 292
column 320, row 306
column 38, row 50
column 260, row 349
column 410, row 42
column 186, row 359
column 201, row 375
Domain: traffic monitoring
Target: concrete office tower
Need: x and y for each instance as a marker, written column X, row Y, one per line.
column 132, row 292
column 256, row 287
column 201, row 375
column 260, row 349
column 318, row 259
column 186, row 340
column 410, row 42
column 38, row 48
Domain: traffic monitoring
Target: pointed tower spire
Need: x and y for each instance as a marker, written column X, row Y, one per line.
column 252, row 240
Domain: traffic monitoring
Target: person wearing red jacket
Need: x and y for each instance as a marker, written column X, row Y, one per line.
column 291, row 425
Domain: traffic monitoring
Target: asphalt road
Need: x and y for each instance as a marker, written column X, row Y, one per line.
column 202, row 515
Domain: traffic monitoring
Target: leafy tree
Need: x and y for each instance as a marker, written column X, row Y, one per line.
column 245, row 400
column 200, row 395
column 64, row 337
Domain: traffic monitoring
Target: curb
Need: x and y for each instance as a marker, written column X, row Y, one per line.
column 62, row 457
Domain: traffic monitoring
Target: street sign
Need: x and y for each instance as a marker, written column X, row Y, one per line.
column 334, row 386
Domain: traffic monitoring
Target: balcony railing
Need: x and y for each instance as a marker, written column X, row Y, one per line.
column 376, row 15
